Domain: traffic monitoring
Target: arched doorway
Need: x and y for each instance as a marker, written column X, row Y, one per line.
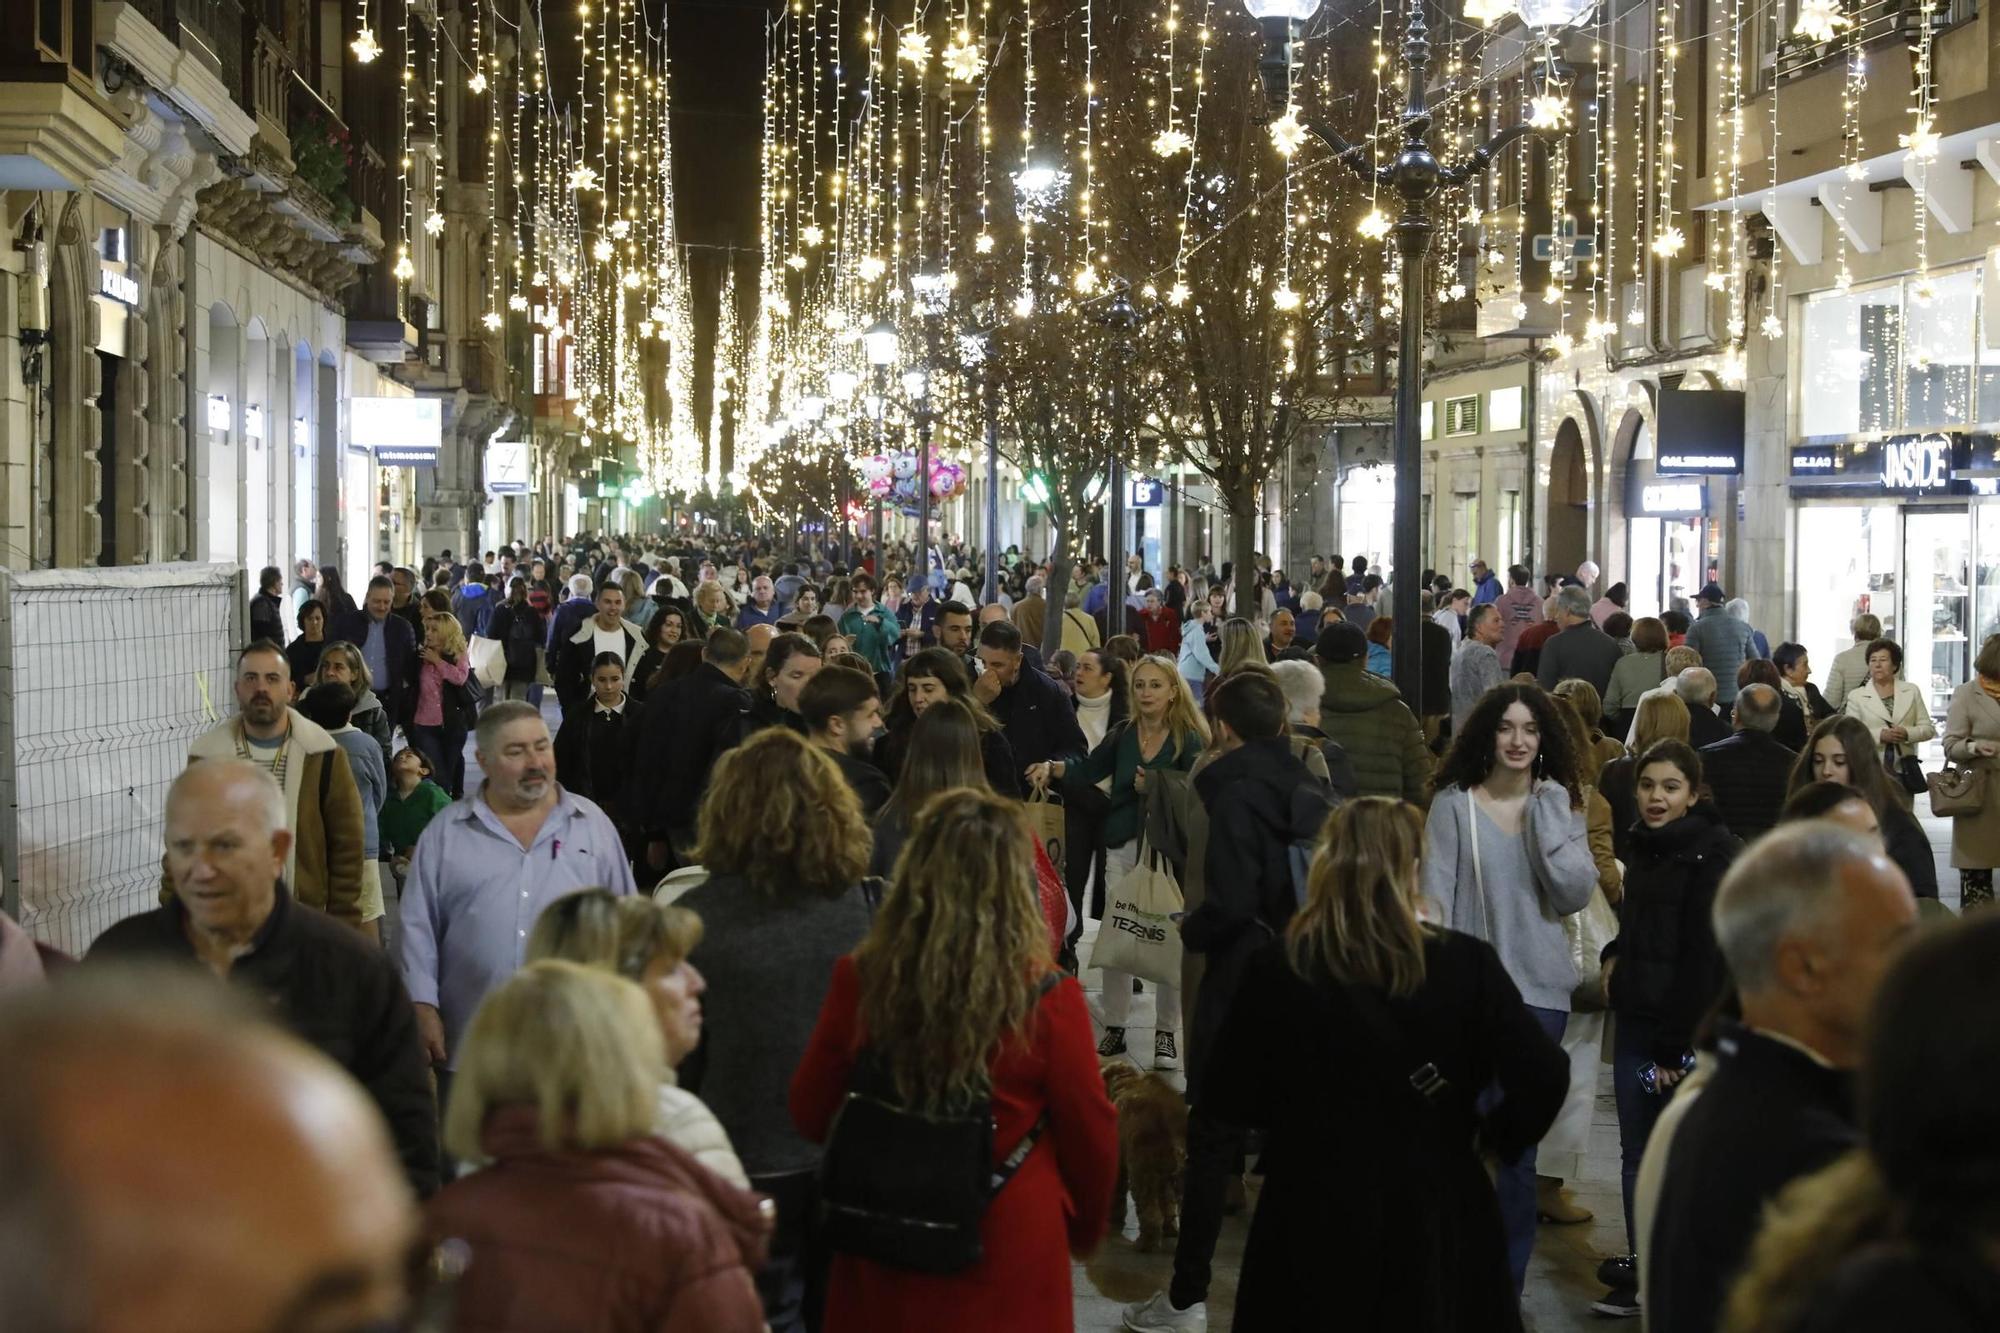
column 1567, row 543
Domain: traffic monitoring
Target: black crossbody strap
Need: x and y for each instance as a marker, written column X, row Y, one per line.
column 1014, row 1160
column 1423, row 1077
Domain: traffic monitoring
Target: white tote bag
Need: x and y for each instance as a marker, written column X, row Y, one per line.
column 1138, row 934
column 488, row 662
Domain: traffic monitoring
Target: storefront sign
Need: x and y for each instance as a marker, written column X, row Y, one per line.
column 507, row 467
column 118, row 287
column 401, row 432
column 1916, row 463
column 218, row 411
column 1147, row 493
column 1673, row 498
column 1933, row 463
column 1699, row 432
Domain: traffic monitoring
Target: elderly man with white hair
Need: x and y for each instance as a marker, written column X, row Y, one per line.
column 580, row 606
column 233, row 915
column 1579, row 650
column 1809, row 919
column 1696, row 688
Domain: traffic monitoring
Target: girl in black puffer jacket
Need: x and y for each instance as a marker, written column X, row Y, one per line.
column 1665, row 967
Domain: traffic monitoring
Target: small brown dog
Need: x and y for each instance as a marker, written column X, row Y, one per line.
column 1152, row 1150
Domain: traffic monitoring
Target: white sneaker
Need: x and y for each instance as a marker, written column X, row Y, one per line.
column 1157, row 1314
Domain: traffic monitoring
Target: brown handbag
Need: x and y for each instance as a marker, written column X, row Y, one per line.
column 1959, row 790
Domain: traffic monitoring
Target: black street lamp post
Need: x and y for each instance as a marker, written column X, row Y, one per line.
column 1416, row 176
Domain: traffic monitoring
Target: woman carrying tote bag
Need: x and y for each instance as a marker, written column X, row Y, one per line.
column 1972, row 740
column 1893, row 711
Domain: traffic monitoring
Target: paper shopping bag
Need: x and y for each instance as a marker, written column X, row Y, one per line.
column 1138, row 934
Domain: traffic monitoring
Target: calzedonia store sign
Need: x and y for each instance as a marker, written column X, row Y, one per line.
column 1929, row 463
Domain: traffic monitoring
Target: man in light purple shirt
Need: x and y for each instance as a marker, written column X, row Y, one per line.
column 487, row 866
column 1519, row 608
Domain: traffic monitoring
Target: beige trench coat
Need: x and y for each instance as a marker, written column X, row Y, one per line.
column 1975, row 716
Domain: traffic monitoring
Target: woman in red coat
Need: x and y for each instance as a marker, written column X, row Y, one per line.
column 962, row 907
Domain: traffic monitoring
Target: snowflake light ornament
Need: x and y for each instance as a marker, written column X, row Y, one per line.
column 1375, row 226
column 1819, row 20
column 583, row 178
column 914, row 47
column 1171, row 143
column 1669, row 242
column 963, row 61
column 1288, row 135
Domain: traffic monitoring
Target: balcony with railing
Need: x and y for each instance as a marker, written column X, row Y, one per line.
column 1876, row 22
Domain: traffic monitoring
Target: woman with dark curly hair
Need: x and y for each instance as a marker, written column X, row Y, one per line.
column 1506, row 857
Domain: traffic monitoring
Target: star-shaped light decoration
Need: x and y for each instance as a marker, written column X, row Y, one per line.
column 1772, row 327
column 621, row 228
column 1548, row 111
column 1716, row 280
column 517, row 302
column 1819, row 20
column 583, row 178
column 1636, row 315
column 633, row 278
column 601, row 251
column 405, row 270
column 795, row 262
column 1669, row 242
column 364, row 46
column 1085, row 280
column 1287, row 134
column 1856, row 172
column 983, row 243
column 1177, row 295
column 434, row 224
column 1922, row 140
column 811, row 235
column 1375, row 226
column 1924, row 292
column 540, row 279
column 1171, row 143
column 477, row 83
column 1285, row 298
column 835, row 319
column 1563, row 345
column 1024, row 305
column 963, row 60
column 915, row 47
column 871, row 267
column 1520, row 311
column 1599, row 330
column 1551, row 294
column 1843, row 279
column 491, row 320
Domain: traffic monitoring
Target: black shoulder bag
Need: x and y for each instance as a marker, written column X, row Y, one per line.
column 907, row 1188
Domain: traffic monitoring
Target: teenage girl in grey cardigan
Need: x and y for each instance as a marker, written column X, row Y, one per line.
column 1506, row 858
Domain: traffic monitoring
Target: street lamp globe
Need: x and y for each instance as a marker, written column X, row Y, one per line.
column 1554, row 15
column 1297, row 11
column 880, row 344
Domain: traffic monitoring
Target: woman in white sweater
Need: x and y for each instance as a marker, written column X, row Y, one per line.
column 1506, row 858
column 648, row 943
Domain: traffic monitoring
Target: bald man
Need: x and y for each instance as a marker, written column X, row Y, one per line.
column 231, row 915
column 170, row 1162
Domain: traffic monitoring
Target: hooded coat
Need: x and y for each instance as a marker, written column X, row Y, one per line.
column 637, row 1237
column 1260, row 800
column 1366, row 715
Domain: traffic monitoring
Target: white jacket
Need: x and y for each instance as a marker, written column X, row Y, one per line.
column 686, row 1122
column 1909, row 711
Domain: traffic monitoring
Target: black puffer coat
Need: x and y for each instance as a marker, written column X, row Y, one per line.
column 1669, row 968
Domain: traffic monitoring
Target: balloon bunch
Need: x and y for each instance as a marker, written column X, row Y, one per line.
column 892, row 478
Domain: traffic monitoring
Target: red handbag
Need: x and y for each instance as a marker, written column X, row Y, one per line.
column 1055, row 902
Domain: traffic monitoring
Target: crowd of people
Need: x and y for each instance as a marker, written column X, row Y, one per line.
column 747, row 995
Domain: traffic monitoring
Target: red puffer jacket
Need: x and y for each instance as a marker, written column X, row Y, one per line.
column 634, row 1239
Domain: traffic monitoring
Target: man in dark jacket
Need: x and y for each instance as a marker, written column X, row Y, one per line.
column 1261, row 802
column 1747, row 774
column 606, row 632
column 1038, row 719
column 687, row 727
column 842, row 713
column 1366, row 715
column 226, row 849
column 267, row 607
column 573, row 611
column 473, row 602
column 1809, row 919
column 1579, row 650
column 388, row 645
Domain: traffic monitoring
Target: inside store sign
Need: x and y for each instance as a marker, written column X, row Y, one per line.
column 1917, row 463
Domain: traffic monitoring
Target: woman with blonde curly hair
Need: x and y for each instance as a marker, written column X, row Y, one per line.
column 648, row 944
column 1402, row 1026
column 439, row 726
column 950, row 993
column 786, row 849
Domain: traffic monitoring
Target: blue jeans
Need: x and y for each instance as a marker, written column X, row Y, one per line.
column 1632, row 1042
column 1515, row 1181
